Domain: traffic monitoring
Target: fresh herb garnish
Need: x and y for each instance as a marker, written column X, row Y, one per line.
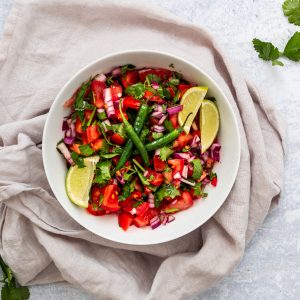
column 110, row 80
column 153, row 78
column 11, row 290
column 174, row 81
column 165, row 152
column 141, row 176
column 171, row 210
column 144, row 134
column 80, row 105
column 171, row 65
column 138, row 203
column 198, row 190
column 126, row 68
column 157, row 135
column 167, row 190
column 109, row 155
column 86, row 150
column 102, row 173
column 169, row 126
column 78, row 160
column 291, row 9
column 292, row 48
column 127, row 189
column 212, row 175
column 136, row 90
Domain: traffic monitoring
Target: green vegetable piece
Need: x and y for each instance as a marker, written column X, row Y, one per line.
column 127, row 189
column 292, row 48
column 102, row 116
column 171, row 210
column 78, row 160
column 197, row 170
column 102, row 173
column 169, row 126
column 291, row 9
column 141, row 176
column 167, row 190
column 157, row 135
column 198, row 190
column 267, row 51
column 80, row 105
column 136, row 90
column 126, row 68
column 153, row 77
column 86, row 150
column 165, row 152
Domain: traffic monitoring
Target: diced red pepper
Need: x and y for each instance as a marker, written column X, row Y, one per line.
column 116, row 91
column 159, row 165
column 183, row 202
column 117, row 139
column 183, row 88
column 92, row 133
column 110, row 199
column 78, row 126
column 182, row 140
column 95, row 210
column 214, row 181
column 140, row 221
column 148, row 94
column 125, row 220
column 97, row 144
column 174, row 120
column 75, row 148
column 130, row 102
column 129, row 78
column 118, row 115
column 177, row 165
column 97, row 89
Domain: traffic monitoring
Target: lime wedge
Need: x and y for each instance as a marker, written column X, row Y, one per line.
column 209, row 123
column 79, row 181
column 191, row 101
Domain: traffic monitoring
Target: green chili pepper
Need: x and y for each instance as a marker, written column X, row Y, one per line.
column 138, row 125
column 134, row 137
column 166, row 139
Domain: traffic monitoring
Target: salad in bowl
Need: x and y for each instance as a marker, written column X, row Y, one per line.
column 140, row 144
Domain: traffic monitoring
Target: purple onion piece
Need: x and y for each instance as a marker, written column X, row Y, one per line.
column 181, row 155
column 174, row 110
column 65, row 126
column 187, row 182
column 101, row 77
column 162, row 119
column 69, row 140
column 185, row 172
column 158, row 128
column 155, row 85
column 116, row 71
column 65, row 152
column 171, row 219
column 157, row 114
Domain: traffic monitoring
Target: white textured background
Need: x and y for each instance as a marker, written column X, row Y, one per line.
column 271, row 265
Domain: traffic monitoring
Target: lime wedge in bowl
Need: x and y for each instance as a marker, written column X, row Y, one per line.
column 191, row 102
column 209, row 123
column 79, row 181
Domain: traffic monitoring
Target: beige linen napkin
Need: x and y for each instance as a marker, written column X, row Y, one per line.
column 45, row 43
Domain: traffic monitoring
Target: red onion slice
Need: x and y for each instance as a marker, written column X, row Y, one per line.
column 171, row 219
column 174, row 110
column 158, row 128
column 194, row 126
column 185, row 172
column 177, row 176
column 101, row 77
column 116, row 71
column 182, row 155
column 65, row 152
column 187, row 182
column 157, row 114
column 162, row 119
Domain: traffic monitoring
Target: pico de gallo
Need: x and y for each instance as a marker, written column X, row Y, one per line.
column 149, row 168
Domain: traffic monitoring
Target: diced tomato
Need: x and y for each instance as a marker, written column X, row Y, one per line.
column 154, row 177
column 183, row 202
column 88, row 113
column 147, row 190
column 95, row 210
column 97, row 144
column 183, row 88
column 176, row 183
column 92, row 133
column 171, row 91
column 84, row 139
column 117, row 139
column 209, row 163
column 95, row 195
column 129, row 78
column 127, row 204
column 141, row 209
column 182, row 140
column 130, row 102
column 110, row 199
column 125, row 220
column 118, row 115
column 78, row 126
column 116, row 91
column 174, row 120
column 138, row 186
column 168, row 176
column 177, row 165
column 140, row 221
column 157, row 99
column 116, row 159
column 162, row 73
column 137, row 195
column 75, row 148
column 150, row 214
column 159, row 165
column 97, row 89
column 214, row 181
column 148, row 94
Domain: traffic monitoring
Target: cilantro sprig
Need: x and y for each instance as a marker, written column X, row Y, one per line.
column 11, row 290
column 291, row 9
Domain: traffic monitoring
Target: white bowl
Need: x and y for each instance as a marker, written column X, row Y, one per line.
column 186, row 221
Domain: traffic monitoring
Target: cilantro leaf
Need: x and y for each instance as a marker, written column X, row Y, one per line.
column 291, row 9
column 174, row 81
column 165, row 152
column 110, row 80
column 109, row 155
column 102, row 172
column 292, row 48
column 127, row 189
column 126, row 68
column 138, row 203
column 153, row 77
column 78, row 160
column 212, row 175
column 144, row 134
column 86, row 150
column 157, row 135
column 169, row 126
column 267, row 51
column 167, row 190
column 136, row 90
column 11, row 289
column 80, row 105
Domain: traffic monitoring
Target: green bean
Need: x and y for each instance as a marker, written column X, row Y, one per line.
column 138, row 125
column 134, row 138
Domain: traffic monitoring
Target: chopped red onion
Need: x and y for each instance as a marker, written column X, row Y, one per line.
column 115, row 181
column 65, row 152
column 185, row 172
column 69, row 140
column 101, row 77
column 182, row 155
column 120, row 179
column 191, row 158
column 155, row 222
column 107, row 95
column 133, row 211
column 177, row 175
column 65, row 126
column 195, row 141
column 187, row 182
column 150, row 197
column 68, row 133
column 154, row 219
column 100, row 110
column 204, row 156
column 205, row 181
column 157, row 114
column 162, row 119
column 159, row 108
column 158, row 128
column 171, row 218
column 116, row 71
column 116, row 104
column 174, row 202
column 146, row 173
column 174, row 110
column 215, row 151
column 155, row 85
column 194, row 126
column 157, row 152
column 164, row 220
column 151, row 205
column 106, row 123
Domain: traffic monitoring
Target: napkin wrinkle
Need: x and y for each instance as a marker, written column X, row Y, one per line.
column 44, row 44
